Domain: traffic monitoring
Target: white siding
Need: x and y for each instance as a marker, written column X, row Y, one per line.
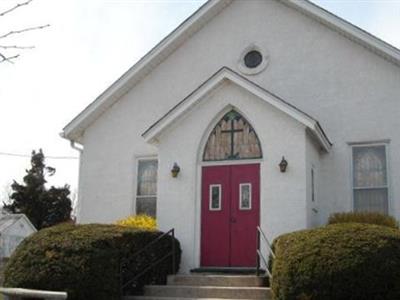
column 12, row 236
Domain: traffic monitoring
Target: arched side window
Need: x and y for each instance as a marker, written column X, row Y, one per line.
column 232, row 138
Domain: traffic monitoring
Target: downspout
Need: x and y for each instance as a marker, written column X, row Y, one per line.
column 73, row 146
column 78, row 196
column 72, row 143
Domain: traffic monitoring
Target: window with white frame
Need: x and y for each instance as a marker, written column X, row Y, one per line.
column 245, row 196
column 370, row 179
column 312, row 184
column 215, row 197
column 146, row 192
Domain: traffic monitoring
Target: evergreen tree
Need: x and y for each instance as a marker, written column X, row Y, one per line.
column 44, row 207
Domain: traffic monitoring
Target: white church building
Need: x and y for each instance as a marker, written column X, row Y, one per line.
column 270, row 113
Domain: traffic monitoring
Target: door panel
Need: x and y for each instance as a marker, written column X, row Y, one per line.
column 230, row 215
column 215, row 227
column 245, row 182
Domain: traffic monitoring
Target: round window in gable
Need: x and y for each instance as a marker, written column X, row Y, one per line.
column 253, row 59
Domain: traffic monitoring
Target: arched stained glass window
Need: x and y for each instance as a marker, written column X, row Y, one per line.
column 232, row 138
column 370, row 182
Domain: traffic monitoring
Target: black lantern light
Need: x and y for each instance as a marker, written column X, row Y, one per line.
column 283, row 165
column 175, row 170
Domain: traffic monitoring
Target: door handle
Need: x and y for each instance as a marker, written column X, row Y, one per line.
column 233, row 220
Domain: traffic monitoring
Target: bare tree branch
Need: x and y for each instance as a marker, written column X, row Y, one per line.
column 8, row 59
column 23, row 30
column 16, row 47
column 15, row 7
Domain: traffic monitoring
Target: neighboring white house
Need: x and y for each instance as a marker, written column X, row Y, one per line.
column 237, row 91
column 13, row 229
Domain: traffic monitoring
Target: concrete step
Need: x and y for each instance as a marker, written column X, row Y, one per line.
column 171, row 298
column 226, row 270
column 180, row 291
column 218, row 280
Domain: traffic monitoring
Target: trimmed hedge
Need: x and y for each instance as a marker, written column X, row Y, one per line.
column 84, row 260
column 363, row 217
column 342, row 261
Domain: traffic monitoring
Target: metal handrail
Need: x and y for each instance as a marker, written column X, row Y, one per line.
column 154, row 241
column 260, row 234
column 19, row 293
column 172, row 253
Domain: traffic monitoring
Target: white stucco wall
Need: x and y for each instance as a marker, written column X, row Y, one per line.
column 350, row 90
column 283, row 195
column 313, row 156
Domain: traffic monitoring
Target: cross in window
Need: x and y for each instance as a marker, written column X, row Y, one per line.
column 232, row 132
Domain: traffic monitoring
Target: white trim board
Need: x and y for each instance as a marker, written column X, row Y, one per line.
column 226, row 74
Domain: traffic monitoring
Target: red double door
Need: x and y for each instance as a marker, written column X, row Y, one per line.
column 230, row 215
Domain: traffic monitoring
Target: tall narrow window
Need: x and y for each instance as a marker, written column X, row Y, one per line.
column 232, row 138
column 312, row 185
column 215, row 197
column 146, row 194
column 245, row 196
column 370, row 182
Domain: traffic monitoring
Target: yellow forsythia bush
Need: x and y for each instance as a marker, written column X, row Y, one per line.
column 144, row 222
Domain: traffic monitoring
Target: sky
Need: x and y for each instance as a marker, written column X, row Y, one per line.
column 89, row 44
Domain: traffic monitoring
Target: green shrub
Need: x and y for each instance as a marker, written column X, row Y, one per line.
column 363, row 217
column 342, row 261
column 84, row 260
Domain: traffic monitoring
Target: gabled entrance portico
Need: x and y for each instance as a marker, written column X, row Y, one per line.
column 230, row 127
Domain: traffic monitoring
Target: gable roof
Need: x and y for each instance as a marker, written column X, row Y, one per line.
column 347, row 29
column 144, row 66
column 7, row 221
column 74, row 130
column 226, row 74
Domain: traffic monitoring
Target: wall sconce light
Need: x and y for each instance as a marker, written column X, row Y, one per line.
column 175, row 170
column 283, row 165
